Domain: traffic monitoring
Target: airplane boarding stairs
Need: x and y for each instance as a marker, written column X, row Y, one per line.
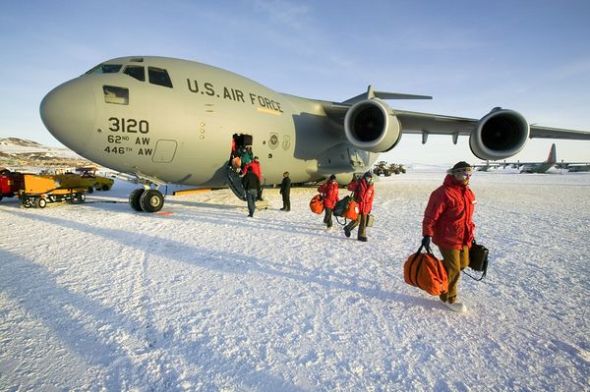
column 234, row 181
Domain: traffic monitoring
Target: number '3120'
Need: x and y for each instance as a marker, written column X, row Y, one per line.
column 128, row 125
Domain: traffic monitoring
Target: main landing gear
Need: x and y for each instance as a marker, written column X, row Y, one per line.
column 147, row 200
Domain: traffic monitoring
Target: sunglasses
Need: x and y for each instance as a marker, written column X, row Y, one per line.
column 466, row 170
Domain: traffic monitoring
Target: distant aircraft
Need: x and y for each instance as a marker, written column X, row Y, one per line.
column 540, row 167
column 578, row 167
column 167, row 120
column 574, row 167
column 537, row 167
column 525, row 167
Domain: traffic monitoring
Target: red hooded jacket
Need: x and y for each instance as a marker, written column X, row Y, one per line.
column 448, row 217
column 363, row 194
column 329, row 191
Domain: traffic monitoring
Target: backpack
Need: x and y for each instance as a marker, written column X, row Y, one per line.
column 425, row 271
column 316, row 204
column 347, row 208
column 341, row 206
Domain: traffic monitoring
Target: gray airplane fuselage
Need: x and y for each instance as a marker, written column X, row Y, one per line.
column 179, row 130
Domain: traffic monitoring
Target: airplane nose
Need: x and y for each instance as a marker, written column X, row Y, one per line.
column 69, row 113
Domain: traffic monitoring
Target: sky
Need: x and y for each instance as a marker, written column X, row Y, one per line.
column 530, row 56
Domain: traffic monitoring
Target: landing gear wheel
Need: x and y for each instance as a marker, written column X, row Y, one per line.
column 41, row 203
column 134, row 199
column 151, row 200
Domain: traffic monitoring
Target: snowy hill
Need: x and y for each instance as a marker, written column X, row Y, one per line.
column 18, row 153
column 201, row 298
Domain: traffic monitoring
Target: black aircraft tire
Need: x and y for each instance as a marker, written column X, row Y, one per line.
column 151, row 200
column 134, row 199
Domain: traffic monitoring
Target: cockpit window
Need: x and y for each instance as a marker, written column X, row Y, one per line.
column 135, row 71
column 159, row 76
column 105, row 69
column 117, row 95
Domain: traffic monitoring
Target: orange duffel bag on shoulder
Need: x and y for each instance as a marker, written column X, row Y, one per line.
column 425, row 271
column 316, row 204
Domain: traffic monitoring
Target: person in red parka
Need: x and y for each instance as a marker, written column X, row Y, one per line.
column 364, row 192
column 329, row 192
column 448, row 220
column 255, row 165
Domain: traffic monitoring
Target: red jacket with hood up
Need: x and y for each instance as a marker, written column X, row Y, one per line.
column 329, row 191
column 364, row 193
column 448, row 217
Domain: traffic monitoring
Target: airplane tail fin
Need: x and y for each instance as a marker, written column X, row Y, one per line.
column 552, row 158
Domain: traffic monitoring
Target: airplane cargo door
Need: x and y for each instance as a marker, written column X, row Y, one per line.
column 165, row 150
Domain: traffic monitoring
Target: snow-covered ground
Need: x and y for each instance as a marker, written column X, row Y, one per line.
column 201, row 298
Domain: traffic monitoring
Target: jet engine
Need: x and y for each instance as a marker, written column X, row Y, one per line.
column 499, row 134
column 369, row 126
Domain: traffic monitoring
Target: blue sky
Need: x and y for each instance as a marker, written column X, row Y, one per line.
column 530, row 56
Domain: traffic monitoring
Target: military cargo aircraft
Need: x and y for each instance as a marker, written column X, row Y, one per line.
column 167, row 120
column 541, row 167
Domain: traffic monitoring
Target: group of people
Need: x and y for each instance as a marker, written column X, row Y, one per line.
column 447, row 222
column 244, row 162
column 363, row 193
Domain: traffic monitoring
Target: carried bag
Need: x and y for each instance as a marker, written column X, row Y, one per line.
column 478, row 260
column 341, row 205
column 425, row 271
column 352, row 210
column 316, row 204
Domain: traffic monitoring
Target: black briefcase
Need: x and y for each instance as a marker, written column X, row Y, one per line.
column 478, row 259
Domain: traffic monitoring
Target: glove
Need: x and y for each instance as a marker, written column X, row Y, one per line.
column 426, row 242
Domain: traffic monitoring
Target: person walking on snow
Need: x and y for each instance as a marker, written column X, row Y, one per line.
column 251, row 184
column 286, row 192
column 364, row 192
column 448, row 221
column 329, row 192
column 255, row 165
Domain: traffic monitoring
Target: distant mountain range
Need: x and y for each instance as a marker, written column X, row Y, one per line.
column 16, row 153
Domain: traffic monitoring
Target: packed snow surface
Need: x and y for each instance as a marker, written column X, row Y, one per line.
column 200, row 297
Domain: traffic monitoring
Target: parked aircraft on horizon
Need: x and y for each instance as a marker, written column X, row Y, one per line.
column 167, row 120
column 574, row 167
column 537, row 167
column 540, row 167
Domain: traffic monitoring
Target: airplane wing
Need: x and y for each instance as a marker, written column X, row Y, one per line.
column 557, row 133
column 501, row 133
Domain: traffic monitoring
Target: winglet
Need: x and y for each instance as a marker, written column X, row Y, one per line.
column 371, row 93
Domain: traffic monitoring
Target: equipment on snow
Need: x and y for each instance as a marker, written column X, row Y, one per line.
column 316, row 204
column 425, row 271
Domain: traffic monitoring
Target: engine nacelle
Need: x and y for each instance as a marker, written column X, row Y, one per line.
column 499, row 134
column 369, row 126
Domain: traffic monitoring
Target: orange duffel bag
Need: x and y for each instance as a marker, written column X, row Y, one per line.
column 317, row 204
column 425, row 271
column 352, row 210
